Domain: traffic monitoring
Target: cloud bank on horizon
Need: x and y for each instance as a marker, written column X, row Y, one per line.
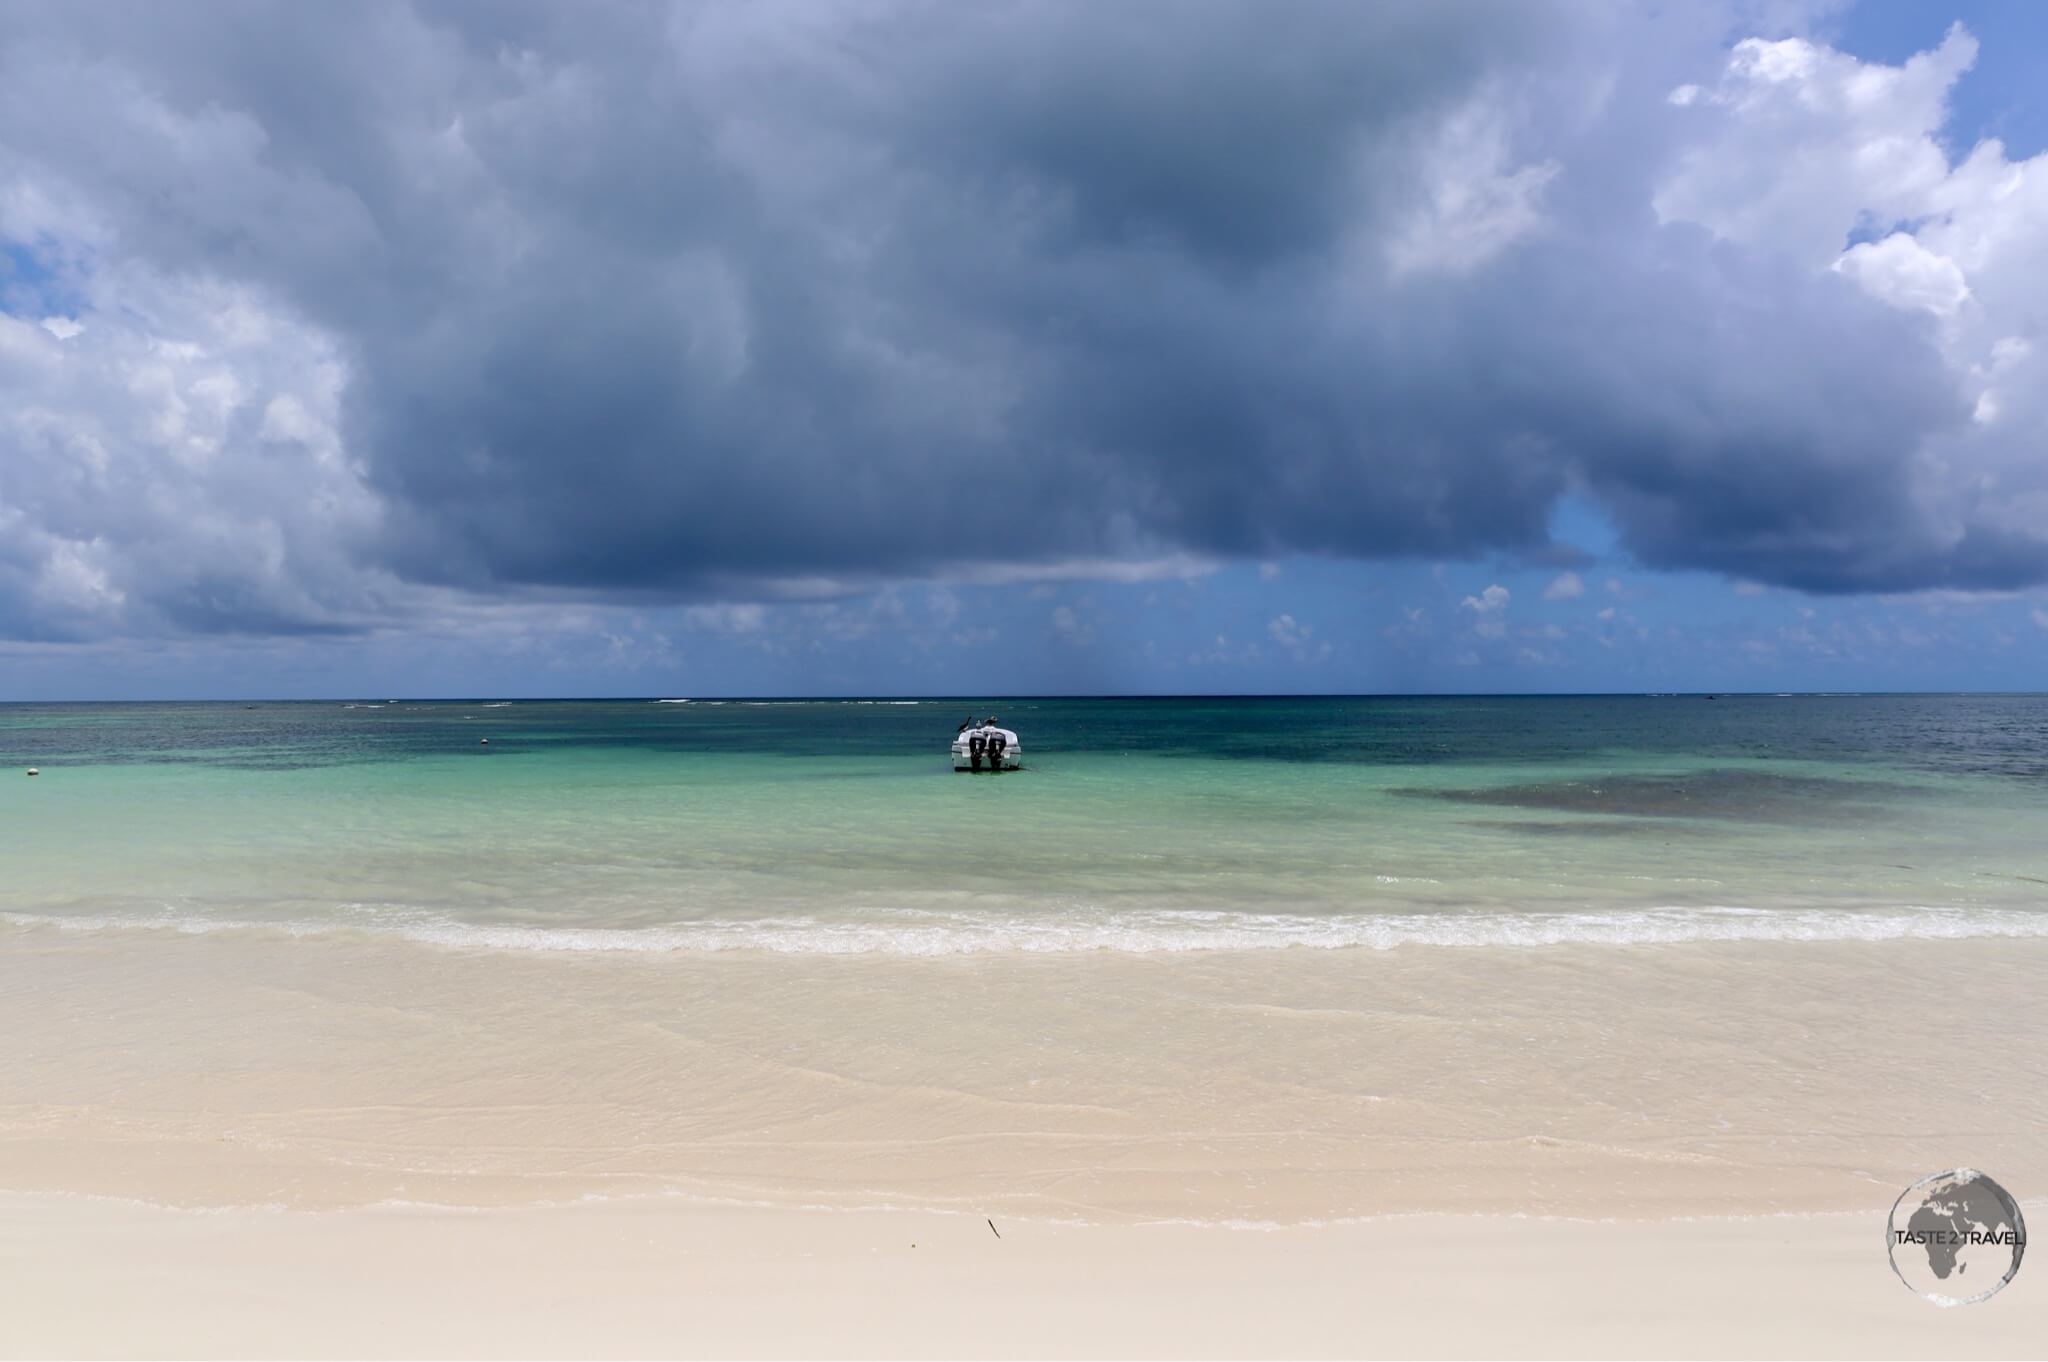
column 324, row 320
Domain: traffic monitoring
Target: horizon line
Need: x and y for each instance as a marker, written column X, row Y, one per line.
column 987, row 696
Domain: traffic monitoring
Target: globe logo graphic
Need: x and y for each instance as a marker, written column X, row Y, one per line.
column 1956, row 1238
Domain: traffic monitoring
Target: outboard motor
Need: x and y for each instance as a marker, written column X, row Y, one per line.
column 976, row 745
column 996, row 743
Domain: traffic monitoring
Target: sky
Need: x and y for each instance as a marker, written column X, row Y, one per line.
column 919, row 348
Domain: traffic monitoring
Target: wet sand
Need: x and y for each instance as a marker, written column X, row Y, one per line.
column 247, row 1069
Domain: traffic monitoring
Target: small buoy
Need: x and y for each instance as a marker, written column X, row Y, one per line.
column 486, row 742
column 33, row 771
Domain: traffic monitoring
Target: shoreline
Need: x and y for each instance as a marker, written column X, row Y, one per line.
column 85, row 1278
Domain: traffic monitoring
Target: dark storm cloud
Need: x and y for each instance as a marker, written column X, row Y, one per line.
column 898, row 295
column 648, row 299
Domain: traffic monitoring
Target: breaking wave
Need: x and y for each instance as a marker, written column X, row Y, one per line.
column 1138, row 933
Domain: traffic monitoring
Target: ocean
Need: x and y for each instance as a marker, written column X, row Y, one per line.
column 1139, row 825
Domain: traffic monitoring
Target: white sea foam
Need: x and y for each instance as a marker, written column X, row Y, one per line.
column 1138, row 933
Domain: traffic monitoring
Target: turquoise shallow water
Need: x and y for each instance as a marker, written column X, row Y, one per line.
column 1140, row 825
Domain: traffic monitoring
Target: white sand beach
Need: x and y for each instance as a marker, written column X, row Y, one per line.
column 654, row 1279
column 239, row 1143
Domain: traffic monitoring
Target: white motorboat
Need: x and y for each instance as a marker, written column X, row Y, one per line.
column 982, row 746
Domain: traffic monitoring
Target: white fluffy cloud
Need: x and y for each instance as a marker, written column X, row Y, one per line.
column 173, row 463
column 1805, row 143
column 1806, row 148
column 1490, row 611
column 1906, row 274
column 1297, row 639
column 1475, row 201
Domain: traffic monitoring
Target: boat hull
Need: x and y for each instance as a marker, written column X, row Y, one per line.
column 962, row 762
column 963, row 751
